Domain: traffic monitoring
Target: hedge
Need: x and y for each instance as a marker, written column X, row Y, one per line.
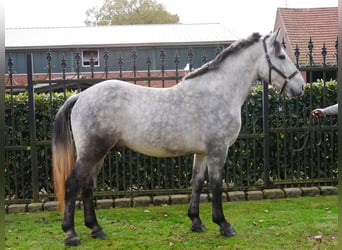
column 126, row 170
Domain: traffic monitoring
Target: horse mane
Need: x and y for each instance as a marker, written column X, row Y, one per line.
column 233, row 48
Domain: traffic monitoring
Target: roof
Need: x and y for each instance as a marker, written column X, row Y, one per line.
column 299, row 24
column 118, row 36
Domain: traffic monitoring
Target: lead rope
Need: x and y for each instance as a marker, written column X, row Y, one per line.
column 313, row 124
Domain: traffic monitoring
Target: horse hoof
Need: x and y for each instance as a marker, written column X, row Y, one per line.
column 228, row 231
column 99, row 235
column 198, row 228
column 72, row 241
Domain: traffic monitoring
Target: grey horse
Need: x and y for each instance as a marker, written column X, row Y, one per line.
column 201, row 116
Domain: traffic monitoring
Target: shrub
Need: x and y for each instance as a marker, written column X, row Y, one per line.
column 124, row 170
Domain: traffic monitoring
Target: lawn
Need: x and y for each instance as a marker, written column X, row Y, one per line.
column 299, row 223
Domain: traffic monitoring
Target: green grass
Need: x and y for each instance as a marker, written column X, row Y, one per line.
column 265, row 224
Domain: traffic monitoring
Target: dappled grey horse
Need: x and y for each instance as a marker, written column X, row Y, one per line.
column 201, row 115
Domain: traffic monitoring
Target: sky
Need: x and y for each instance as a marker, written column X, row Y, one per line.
column 242, row 17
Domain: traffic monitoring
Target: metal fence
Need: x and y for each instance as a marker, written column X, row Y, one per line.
column 299, row 150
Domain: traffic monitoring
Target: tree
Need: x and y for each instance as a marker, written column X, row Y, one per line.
column 120, row 12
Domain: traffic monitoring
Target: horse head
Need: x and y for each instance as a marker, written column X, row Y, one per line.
column 276, row 68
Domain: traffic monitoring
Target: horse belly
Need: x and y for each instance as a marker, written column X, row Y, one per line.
column 161, row 148
column 159, row 141
column 151, row 151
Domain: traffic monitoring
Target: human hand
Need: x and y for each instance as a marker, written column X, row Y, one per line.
column 317, row 112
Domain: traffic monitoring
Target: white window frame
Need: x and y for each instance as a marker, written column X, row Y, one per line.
column 86, row 54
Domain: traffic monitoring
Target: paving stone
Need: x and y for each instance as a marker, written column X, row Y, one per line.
column 51, row 206
column 236, row 196
column 35, row 207
column 79, row 205
column 17, row 208
column 142, row 201
column 254, row 195
column 224, row 196
column 123, row 202
column 204, row 198
column 310, row 191
column 179, row 199
column 293, row 192
column 275, row 193
column 104, row 203
column 329, row 190
column 161, row 200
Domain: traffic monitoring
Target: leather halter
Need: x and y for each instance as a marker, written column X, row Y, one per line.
column 272, row 67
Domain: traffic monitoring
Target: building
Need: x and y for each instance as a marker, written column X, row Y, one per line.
column 120, row 48
column 313, row 31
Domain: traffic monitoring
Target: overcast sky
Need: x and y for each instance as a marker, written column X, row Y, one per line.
column 242, row 17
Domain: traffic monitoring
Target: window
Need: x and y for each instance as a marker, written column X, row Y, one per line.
column 87, row 55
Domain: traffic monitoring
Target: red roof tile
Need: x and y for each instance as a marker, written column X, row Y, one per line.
column 298, row 25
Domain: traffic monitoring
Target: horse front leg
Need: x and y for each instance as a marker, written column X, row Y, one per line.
column 89, row 211
column 215, row 167
column 72, row 188
column 198, row 174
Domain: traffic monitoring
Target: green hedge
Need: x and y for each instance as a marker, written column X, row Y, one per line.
column 125, row 170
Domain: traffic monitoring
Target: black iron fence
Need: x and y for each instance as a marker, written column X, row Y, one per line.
column 301, row 150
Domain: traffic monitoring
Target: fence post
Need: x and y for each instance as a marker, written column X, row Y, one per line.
column 32, row 124
column 339, row 117
column 266, row 134
column 2, row 139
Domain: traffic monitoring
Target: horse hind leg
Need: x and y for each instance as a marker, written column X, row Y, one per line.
column 198, row 175
column 72, row 189
column 89, row 211
column 92, row 164
column 82, row 179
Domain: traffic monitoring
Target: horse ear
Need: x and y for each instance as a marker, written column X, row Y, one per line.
column 274, row 36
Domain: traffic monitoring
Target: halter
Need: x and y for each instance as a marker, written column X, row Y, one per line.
column 272, row 67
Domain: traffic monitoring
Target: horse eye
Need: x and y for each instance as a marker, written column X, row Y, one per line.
column 282, row 57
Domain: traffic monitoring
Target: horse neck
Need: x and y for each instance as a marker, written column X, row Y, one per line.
column 233, row 79
column 245, row 66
